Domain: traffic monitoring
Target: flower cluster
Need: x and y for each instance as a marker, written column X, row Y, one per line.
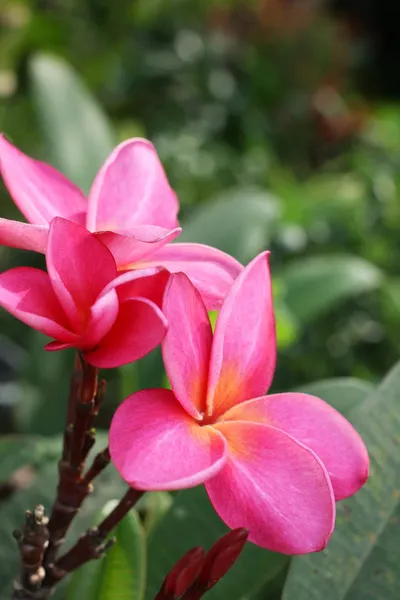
column 115, row 288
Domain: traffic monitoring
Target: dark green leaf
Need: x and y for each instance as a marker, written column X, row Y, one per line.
column 362, row 558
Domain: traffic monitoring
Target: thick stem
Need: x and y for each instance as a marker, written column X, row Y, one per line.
column 93, row 543
column 78, row 439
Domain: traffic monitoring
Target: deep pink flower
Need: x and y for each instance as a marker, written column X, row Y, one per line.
column 131, row 207
column 272, row 464
column 82, row 302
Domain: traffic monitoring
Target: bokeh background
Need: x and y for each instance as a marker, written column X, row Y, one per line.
column 278, row 124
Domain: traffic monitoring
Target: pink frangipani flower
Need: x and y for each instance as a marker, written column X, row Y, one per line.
column 83, row 303
column 272, row 464
column 131, row 207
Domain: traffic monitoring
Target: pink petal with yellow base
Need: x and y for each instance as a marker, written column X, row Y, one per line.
column 27, row 294
column 131, row 189
column 79, row 266
column 318, row 426
column 138, row 329
column 243, row 353
column 129, row 247
column 23, row 235
column 274, row 486
column 187, row 345
column 210, row 270
column 40, row 191
column 156, row 445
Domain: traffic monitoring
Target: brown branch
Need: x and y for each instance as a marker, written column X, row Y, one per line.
column 32, row 541
column 102, row 459
column 78, row 440
column 93, row 543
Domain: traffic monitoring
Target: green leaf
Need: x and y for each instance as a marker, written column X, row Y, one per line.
column 343, row 393
column 238, row 222
column 192, row 522
column 121, row 573
column 317, row 284
column 77, row 132
column 362, row 558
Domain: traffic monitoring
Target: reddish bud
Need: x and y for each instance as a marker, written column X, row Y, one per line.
column 182, row 575
column 222, row 556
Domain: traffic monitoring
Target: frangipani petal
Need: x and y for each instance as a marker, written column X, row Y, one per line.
column 27, row 294
column 131, row 189
column 187, row 345
column 143, row 283
column 40, row 191
column 210, row 270
column 275, row 487
column 318, row 426
column 138, row 329
column 103, row 315
column 156, row 445
column 243, row 353
column 79, row 266
column 131, row 246
column 23, row 235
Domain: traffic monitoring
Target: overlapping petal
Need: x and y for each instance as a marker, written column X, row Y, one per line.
column 102, row 317
column 40, row 191
column 140, row 326
column 27, row 294
column 187, row 345
column 243, row 353
column 318, row 426
column 210, row 270
column 79, row 266
column 274, row 486
column 131, row 246
column 23, row 235
column 156, row 445
column 146, row 283
column 131, row 189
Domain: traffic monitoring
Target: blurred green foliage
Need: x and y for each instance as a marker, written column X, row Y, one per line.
column 253, row 111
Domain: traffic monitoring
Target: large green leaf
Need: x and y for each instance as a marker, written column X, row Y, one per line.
column 343, row 393
column 317, row 284
column 121, row 573
column 78, row 134
column 362, row 558
column 191, row 522
column 239, row 222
